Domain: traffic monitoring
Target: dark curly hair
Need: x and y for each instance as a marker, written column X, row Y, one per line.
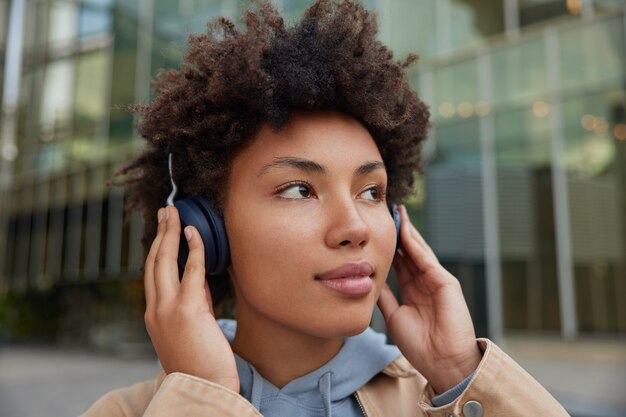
column 231, row 82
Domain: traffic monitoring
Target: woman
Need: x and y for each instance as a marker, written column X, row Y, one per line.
column 301, row 138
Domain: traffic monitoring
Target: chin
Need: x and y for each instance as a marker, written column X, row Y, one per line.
column 348, row 324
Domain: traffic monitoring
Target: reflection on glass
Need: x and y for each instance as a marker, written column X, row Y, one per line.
column 474, row 20
column 592, row 53
column 596, row 179
column 94, row 19
column 453, row 209
column 519, row 71
column 456, row 89
column 526, row 221
column 62, row 23
column 4, row 20
column 90, row 94
column 410, row 26
column 58, row 87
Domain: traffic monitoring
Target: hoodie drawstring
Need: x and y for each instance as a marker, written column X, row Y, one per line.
column 324, row 388
column 324, row 385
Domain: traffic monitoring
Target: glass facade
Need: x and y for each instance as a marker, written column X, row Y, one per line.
column 523, row 199
column 553, row 103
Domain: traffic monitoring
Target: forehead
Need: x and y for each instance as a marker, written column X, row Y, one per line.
column 330, row 138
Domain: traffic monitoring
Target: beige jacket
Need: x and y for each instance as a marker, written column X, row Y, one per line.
column 500, row 387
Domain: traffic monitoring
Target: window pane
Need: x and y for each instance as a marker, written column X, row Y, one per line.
column 94, row 19
column 92, row 73
column 592, row 53
column 595, row 157
column 62, row 23
column 474, row 20
column 409, row 26
column 519, row 72
column 58, row 86
column 526, row 220
column 455, row 91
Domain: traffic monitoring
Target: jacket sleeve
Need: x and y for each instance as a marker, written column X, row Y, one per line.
column 500, row 387
column 173, row 395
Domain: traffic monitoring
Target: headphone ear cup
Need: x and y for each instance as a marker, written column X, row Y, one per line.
column 220, row 239
column 195, row 211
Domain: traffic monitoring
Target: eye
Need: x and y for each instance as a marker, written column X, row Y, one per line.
column 295, row 191
column 374, row 193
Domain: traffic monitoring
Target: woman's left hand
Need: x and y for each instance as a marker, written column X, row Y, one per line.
column 433, row 327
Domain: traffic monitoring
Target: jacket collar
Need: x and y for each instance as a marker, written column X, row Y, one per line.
column 400, row 368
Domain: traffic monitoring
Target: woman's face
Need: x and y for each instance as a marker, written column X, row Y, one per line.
column 311, row 237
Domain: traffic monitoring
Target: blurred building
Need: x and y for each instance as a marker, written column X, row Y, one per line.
column 524, row 198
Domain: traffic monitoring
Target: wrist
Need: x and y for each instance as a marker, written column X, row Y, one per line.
column 448, row 375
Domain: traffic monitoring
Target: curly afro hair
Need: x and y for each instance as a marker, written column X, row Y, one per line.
column 231, row 82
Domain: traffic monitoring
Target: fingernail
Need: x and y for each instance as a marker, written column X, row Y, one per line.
column 188, row 233
column 160, row 215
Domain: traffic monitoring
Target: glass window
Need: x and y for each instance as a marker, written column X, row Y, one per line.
column 595, row 157
column 607, row 4
column 535, row 11
column 519, row 71
column 474, row 20
column 453, row 185
column 588, row 128
column 166, row 8
column 455, row 91
column 33, row 12
column 409, row 26
column 526, row 219
column 522, row 137
column 458, row 143
column 94, row 18
column 453, row 210
column 293, row 9
column 4, row 20
column 92, row 75
column 592, row 53
column 207, row 10
column 58, row 86
column 62, row 21
column 51, row 157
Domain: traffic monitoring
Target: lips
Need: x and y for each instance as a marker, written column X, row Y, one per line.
column 351, row 279
column 349, row 270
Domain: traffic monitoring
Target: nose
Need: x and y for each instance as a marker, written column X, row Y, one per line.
column 346, row 226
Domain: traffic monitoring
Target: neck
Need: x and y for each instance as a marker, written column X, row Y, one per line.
column 281, row 354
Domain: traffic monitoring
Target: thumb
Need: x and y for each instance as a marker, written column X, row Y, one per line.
column 387, row 303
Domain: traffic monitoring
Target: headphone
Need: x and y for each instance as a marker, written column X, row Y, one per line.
column 195, row 211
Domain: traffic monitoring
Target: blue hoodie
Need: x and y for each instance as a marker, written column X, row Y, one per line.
column 325, row 392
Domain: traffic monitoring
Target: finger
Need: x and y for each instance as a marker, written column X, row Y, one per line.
column 414, row 233
column 405, row 260
column 415, row 249
column 208, row 297
column 405, row 271
column 148, row 275
column 194, row 277
column 387, row 303
column 166, row 277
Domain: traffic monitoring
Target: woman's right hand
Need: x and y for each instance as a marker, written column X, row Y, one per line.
column 179, row 314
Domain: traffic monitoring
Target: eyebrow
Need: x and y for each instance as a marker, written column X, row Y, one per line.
column 368, row 167
column 313, row 167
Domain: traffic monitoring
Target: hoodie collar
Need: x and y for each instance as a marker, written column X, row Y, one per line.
column 360, row 359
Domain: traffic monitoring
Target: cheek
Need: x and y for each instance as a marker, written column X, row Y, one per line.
column 265, row 253
column 384, row 240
